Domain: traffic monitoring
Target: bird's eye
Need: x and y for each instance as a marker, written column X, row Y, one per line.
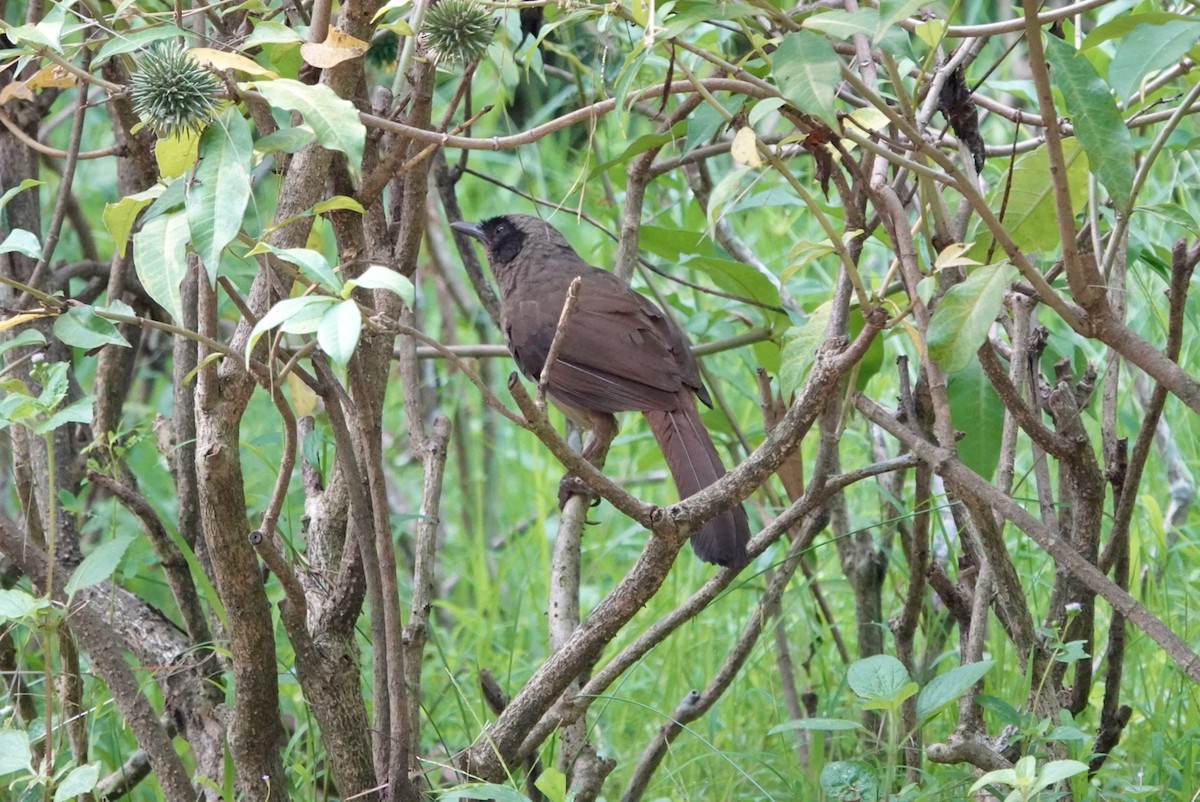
column 502, row 229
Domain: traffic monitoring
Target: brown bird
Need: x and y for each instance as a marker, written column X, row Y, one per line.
column 619, row 352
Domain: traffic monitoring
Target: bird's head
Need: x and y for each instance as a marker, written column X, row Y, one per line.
column 506, row 236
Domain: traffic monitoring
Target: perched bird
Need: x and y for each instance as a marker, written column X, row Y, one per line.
column 619, row 352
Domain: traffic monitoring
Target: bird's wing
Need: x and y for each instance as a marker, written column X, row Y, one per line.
column 619, row 352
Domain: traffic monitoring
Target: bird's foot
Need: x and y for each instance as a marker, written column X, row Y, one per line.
column 572, row 485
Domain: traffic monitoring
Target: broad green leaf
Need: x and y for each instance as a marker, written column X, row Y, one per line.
column 800, row 350
column 964, row 315
column 16, row 605
column 26, row 337
column 553, row 784
column 947, row 688
column 1030, row 214
column 816, row 724
column 850, row 780
column 737, row 278
column 135, row 41
column 313, row 265
column 1147, row 49
column 338, row 202
column 762, row 109
column 80, row 780
column 704, row 122
column 77, row 412
column 119, row 217
column 286, row 310
column 172, row 198
column 807, row 71
column 287, row 140
column 484, row 792
column 378, row 277
column 999, row 777
column 688, row 15
column 640, row 145
column 1098, row 124
column 269, row 32
column 893, row 12
column 881, row 677
column 22, row 242
column 334, row 120
column 160, row 259
column 339, row 331
column 220, row 191
column 977, row 412
column 99, row 565
column 1057, row 771
column 843, row 24
column 15, row 754
column 1122, row 24
column 79, row 327
column 47, row 33
column 19, row 188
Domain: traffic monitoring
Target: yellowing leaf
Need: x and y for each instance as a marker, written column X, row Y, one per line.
column 953, row 255
column 304, row 400
column 744, row 149
column 336, row 48
column 220, row 60
column 17, row 90
column 176, row 154
column 16, row 320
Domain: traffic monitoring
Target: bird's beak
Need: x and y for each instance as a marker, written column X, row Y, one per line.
column 471, row 230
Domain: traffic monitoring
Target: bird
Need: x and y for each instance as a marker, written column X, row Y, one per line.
column 619, row 352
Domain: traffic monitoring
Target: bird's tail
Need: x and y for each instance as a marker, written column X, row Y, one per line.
column 694, row 464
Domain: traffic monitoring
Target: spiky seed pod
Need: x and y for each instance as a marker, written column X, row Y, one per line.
column 456, row 30
column 172, row 93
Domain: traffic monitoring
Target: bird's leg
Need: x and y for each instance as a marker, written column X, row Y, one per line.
column 603, row 429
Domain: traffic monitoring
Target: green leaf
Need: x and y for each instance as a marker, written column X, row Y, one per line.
column 135, row 41
column 483, row 791
column 21, row 338
column 81, row 328
column 1122, row 24
column 47, row 33
column 999, row 777
column 120, row 217
column 334, row 120
column 80, row 780
column 702, row 124
column 339, row 331
column 553, row 784
column 269, row 32
column 737, row 278
column 287, row 140
column 378, row 277
column 286, row 310
column 976, row 410
column 1030, row 216
column 843, row 24
column 217, row 198
column 807, row 71
column 160, row 259
column 1098, row 124
column 15, row 754
column 76, row 412
column 172, row 198
column 881, row 677
column 1147, row 49
column 800, row 349
column 338, row 202
column 947, row 688
column 313, row 265
column 816, row 724
column 1057, row 771
column 16, row 605
column 18, row 189
column 893, row 12
column 850, row 780
column 23, row 242
column 640, row 145
column 99, row 565
column 966, row 312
